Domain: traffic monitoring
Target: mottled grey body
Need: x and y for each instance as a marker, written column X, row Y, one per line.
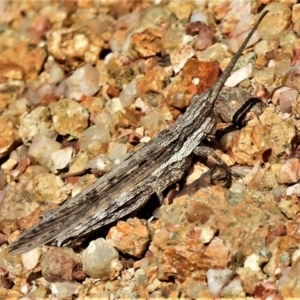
column 129, row 185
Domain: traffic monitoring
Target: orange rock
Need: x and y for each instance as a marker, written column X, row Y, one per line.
column 148, row 42
column 131, row 237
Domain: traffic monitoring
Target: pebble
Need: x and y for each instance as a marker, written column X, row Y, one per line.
column 94, row 134
column 204, row 39
column 131, row 237
column 79, row 163
column 101, row 163
column 290, row 171
column 35, row 292
column 181, row 10
column 234, row 289
column 265, row 76
column 180, row 56
column 287, row 99
column 216, row 279
column 129, row 92
column 25, row 65
column 63, row 289
column 199, row 16
column 100, row 260
column 15, row 204
column 240, row 32
column 9, row 165
column 42, row 148
column 59, row 264
column 194, row 289
column 289, row 207
column 153, row 121
column 238, row 76
column 276, row 21
column 31, row 258
column 38, row 121
column 83, row 82
column 114, row 105
column 263, row 47
column 116, row 151
column 49, row 188
column 252, row 262
column 295, row 17
column 60, row 159
column 69, row 117
column 8, row 136
column 146, row 43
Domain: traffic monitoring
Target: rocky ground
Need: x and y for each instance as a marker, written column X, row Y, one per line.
column 83, row 83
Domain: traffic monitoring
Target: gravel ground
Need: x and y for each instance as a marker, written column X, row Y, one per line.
column 84, row 83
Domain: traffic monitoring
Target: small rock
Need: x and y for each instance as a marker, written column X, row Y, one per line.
column 10, row 294
column 216, row 279
column 198, row 16
column 129, row 92
column 59, row 264
column 250, row 278
column 61, row 159
column 131, row 237
column 79, row 163
column 252, row 262
column 148, row 42
column 16, row 204
column 20, row 169
column 204, row 39
column 238, row 76
column 194, row 289
column 276, row 20
column 63, row 289
column 25, row 65
column 286, row 100
column 182, row 10
column 153, row 121
column 40, row 292
column 180, row 56
column 290, row 171
column 253, row 140
column 8, row 136
column 234, row 290
column 155, row 285
column 265, row 76
column 248, row 147
column 56, row 73
column 38, row 121
column 69, row 117
column 42, row 148
column 9, row 165
column 83, row 82
column 289, row 207
column 114, row 105
column 100, row 260
column 49, row 188
column 100, row 163
column 117, row 151
column 74, row 47
column 94, row 135
column 153, row 82
column 31, row 258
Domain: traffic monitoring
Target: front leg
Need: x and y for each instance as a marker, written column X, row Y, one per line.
column 205, row 151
